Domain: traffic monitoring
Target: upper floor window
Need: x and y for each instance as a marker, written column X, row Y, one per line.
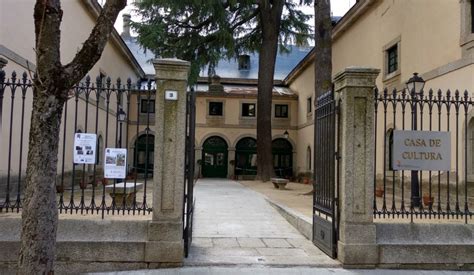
column 244, row 62
column 248, row 109
column 281, row 110
column 309, row 105
column 148, row 106
column 215, row 108
column 392, row 59
column 392, row 56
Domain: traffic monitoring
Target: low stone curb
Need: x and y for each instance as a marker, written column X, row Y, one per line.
column 299, row 221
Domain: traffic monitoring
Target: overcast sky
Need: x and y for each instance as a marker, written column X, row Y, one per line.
column 338, row 8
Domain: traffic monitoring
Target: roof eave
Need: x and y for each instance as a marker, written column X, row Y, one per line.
column 94, row 7
column 359, row 8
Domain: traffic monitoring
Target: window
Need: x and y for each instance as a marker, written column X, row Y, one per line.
column 392, row 59
column 244, row 62
column 248, row 109
column 215, row 108
column 281, row 110
column 309, row 105
column 148, row 106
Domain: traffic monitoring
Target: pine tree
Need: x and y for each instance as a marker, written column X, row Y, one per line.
column 206, row 31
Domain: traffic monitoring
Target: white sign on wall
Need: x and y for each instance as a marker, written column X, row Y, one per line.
column 115, row 163
column 421, row 150
column 85, row 146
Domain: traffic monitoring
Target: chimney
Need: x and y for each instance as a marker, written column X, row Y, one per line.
column 216, row 85
column 126, row 26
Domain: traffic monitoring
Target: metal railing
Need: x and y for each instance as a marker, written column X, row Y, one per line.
column 424, row 194
column 92, row 107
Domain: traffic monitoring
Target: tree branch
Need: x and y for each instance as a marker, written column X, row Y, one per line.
column 95, row 44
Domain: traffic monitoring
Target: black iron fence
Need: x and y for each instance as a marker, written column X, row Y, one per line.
column 424, row 194
column 121, row 115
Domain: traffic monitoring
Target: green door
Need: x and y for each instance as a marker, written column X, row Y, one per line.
column 246, row 157
column 282, row 157
column 144, row 154
column 214, row 158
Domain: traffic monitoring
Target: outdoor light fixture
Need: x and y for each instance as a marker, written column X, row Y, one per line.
column 286, row 135
column 416, row 84
column 121, row 115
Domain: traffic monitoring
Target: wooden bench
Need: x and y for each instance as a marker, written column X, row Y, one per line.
column 279, row 183
column 121, row 189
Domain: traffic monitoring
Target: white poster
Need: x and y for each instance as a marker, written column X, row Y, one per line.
column 421, row 150
column 85, row 146
column 115, row 163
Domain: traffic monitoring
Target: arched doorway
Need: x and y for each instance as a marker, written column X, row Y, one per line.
column 282, row 157
column 214, row 158
column 144, row 156
column 246, row 157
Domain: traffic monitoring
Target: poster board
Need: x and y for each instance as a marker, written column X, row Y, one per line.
column 85, row 146
column 115, row 163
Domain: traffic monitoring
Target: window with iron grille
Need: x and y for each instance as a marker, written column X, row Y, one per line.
column 244, row 62
column 309, row 105
column 392, row 59
column 215, row 109
column 248, row 109
column 281, row 110
column 148, row 106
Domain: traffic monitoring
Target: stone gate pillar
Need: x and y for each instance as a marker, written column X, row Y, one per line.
column 165, row 232
column 357, row 238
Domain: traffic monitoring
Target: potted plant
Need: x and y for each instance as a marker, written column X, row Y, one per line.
column 83, row 184
column 379, row 192
column 428, row 200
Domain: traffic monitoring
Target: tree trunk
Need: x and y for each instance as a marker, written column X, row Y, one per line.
column 51, row 86
column 323, row 60
column 39, row 234
column 322, row 48
column 270, row 17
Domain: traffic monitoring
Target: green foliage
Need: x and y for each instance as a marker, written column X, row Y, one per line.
column 206, row 31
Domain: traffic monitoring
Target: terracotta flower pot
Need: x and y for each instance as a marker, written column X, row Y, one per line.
column 83, row 185
column 379, row 193
column 427, row 200
column 59, row 189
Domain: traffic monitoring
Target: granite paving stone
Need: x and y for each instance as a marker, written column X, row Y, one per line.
column 234, row 225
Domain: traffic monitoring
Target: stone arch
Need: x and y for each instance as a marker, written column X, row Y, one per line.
column 131, row 143
column 201, row 143
column 243, row 136
column 291, row 141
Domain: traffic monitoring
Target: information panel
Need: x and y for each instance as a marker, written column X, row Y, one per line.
column 421, row 150
column 85, row 146
column 115, row 163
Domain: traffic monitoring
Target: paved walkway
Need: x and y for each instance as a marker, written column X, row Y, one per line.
column 235, row 225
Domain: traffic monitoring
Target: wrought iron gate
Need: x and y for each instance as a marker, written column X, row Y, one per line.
column 325, row 226
column 188, row 202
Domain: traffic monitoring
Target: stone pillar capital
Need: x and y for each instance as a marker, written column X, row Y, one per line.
column 356, row 77
column 171, row 69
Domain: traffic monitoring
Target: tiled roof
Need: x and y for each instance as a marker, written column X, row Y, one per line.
column 229, row 68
